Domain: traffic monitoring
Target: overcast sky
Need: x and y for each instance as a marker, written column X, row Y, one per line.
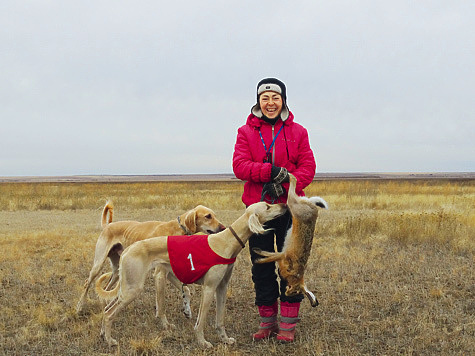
column 161, row 87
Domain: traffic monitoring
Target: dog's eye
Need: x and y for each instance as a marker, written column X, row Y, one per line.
column 208, row 216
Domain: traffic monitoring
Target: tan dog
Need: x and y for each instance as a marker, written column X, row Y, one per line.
column 116, row 237
column 298, row 242
column 140, row 257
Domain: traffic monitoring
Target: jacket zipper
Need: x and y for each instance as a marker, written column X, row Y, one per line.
column 273, row 147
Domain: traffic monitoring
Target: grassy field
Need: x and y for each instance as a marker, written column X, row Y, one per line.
column 392, row 266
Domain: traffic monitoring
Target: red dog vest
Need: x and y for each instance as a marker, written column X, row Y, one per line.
column 191, row 257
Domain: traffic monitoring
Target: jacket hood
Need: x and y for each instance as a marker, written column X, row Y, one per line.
column 256, row 122
column 284, row 114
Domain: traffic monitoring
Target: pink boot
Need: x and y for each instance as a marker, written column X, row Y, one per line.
column 289, row 316
column 268, row 326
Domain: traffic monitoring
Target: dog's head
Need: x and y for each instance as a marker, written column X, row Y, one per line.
column 202, row 219
column 260, row 213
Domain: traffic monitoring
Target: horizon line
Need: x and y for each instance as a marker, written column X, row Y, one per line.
column 117, row 178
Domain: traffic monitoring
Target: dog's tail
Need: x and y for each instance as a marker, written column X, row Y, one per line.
column 108, row 208
column 268, row 256
column 106, row 294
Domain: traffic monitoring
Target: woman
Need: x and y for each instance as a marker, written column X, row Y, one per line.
column 268, row 147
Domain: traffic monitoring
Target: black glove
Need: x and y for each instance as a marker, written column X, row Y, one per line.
column 279, row 174
column 274, row 190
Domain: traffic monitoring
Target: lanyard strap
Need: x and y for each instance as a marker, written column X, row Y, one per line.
column 273, row 141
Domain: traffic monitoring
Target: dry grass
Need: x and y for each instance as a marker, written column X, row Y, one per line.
column 392, row 266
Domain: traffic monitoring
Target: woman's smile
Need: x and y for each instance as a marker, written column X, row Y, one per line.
column 271, row 104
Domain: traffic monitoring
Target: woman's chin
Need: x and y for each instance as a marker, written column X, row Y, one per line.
column 271, row 115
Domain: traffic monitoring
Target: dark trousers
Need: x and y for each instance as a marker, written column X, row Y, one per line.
column 264, row 275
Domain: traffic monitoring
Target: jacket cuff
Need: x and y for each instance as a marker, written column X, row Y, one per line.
column 266, row 172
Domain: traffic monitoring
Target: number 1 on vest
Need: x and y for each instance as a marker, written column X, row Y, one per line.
column 191, row 262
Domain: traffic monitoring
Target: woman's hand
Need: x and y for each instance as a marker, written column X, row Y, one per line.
column 274, row 190
column 279, row 175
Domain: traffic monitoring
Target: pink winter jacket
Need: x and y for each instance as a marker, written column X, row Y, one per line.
column 291, row 150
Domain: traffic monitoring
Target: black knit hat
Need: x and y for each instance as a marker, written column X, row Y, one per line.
column 271, row 84
column 275, row 85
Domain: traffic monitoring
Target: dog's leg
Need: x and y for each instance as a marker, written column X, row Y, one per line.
column 133, row 272
column 107, row 307
column 220, row 308
column 160, row 284
column 186, row 294
column 109, row 313
column 114, row 257
column 206, row 299
column 96, row 268
column 108, row 319
column 127, row 294
column 112, row 280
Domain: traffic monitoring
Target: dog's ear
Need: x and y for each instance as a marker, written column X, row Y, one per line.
column 190, row 220
column 255, row 225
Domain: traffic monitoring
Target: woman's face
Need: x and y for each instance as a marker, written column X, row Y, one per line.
column 271, row 104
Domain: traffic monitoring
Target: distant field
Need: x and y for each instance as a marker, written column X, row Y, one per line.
column 392, row 265
column 226, row 177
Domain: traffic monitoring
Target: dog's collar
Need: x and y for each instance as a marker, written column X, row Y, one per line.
column 187, row 232
column 236, row 236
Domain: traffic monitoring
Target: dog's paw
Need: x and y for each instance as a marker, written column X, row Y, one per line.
column 187, row 311
column 112, row 342
column 187, row 314
column 224, row 337
column 229, row 341
column 79, row 308
column 169, row 326
column 206, row 344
